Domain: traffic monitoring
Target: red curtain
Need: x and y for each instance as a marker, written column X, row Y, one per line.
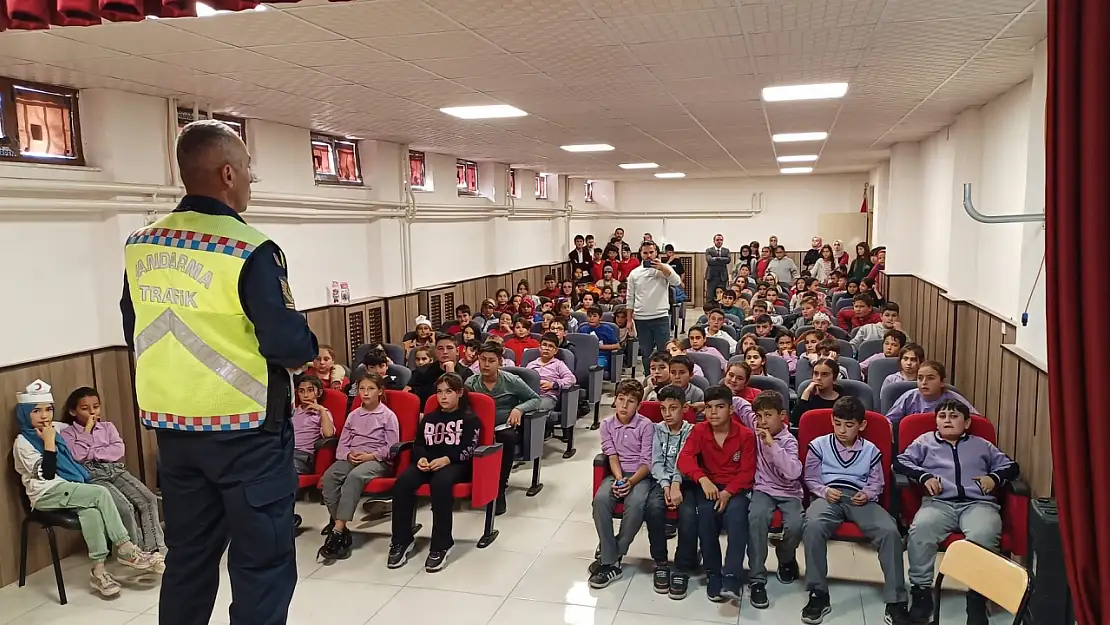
column 40, row 14
column 1078, row 226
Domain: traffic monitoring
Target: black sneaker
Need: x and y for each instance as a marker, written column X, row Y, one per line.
column 661, row 579
column 297, row 520
column 713, row 588
column 896, row 614
column 788, row 572
column 327, row 528
column 757, row 594
column 398, row 555
column 977, row 609
column 343, row 547
column 921, row 606
column 595, row 566
column 436, row 560
column 730, row 588
column 501, row 506
column 817, row 608
column 680, row 586
column 605, row 575
column 330, row 549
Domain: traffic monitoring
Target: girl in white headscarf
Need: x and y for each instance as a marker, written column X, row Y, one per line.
column 840, row 255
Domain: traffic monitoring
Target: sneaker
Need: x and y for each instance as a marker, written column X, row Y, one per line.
column 730, row 588
column 896, row 614
column 606, row 575
column 501, row 506
column 788, row 572
column 328, row 528
column 136, row 559
column 104, row 584
column 297, row 520
column 436, row 560
column 757, row 594
column 680, row 586
column 344, row 545
column 595, row 566
column 398, row 555
column 976, row 609
column 330, row 548
column 817, row 608
column 921, row 606
column 159, row 561
column 713, row 588
column 661, row 579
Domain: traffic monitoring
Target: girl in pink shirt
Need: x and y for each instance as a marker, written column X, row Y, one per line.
column 311, row 423
column 97, row 445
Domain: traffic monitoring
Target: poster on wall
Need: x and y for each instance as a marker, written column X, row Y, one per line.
column 344, row 293
column 333, row 292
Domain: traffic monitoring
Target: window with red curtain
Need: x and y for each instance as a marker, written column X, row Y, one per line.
column 541, row 187
column 417, row 173
column 335, row 160
column 589, row 190
column 466, row 174
column 39, row 123
column 185, row 116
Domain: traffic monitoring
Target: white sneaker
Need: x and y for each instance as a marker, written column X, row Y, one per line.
column 104, row 584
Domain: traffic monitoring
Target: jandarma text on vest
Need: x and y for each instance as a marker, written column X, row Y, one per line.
column 168, row 295
column 173, row 260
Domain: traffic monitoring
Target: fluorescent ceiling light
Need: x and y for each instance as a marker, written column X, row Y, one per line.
column 638, row 165
column 798, row 158
column 822, row 91
column 490, row 111
column 670, row 174
column 588, row 147
column 796, row 170
column 792, row 137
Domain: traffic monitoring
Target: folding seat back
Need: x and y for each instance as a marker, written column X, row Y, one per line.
column 851, row 366
column 607, row 317
column 770, row 383
column 778, row 368
column 841, row 304
column 767, row 343
column 396, row 353
column 838, row 332
column 537, row 327
column 878, row 371
column 736, row 321
column 802, row 330
column 891, row 392
column 710, row 366
column 851, row 388
column 719, row 344
column 589, row 374
column 700, row 382
column 336, row 403
column 580, row 316
column 869, row 348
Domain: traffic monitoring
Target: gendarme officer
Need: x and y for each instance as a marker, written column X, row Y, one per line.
column 208, row 312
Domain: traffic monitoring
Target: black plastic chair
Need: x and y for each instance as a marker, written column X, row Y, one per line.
column 48, row 520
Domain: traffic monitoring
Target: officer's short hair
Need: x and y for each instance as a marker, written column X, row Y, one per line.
column 201, row 140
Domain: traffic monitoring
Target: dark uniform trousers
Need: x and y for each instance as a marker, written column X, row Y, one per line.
column 232, row 488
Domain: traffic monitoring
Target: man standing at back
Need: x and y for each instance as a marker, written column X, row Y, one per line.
column 649, row 287
column 717, row 259
column 208, row 311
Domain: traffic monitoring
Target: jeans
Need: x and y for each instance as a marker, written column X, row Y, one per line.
column 441, row 484
column 137, row 506
column 734, row 520
column 686, row 556
column 653, row 335
column 511, row 438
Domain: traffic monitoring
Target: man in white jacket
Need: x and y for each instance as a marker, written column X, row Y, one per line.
column 649, row 289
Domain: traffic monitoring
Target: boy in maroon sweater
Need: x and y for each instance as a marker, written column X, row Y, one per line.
column 720, row 456
column 861, row 313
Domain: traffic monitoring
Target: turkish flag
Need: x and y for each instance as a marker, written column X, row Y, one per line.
column 863, row 205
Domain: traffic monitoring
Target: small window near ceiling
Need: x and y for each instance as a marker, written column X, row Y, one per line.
column 514, row 191
column 39, row 123
column 418, row 178
column 466, row 174
column 335, row 160
column 185, row 115
column 589, row 190
column 541, row 187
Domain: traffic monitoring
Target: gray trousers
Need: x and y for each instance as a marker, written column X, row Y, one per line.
column 614, row 546
column 978, row 521
column 760, row 510
column 137, row 506
column 303, row 462
column 822, row 519
column 343, row 482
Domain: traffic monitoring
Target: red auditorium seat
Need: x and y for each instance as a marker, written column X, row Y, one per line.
column 407, row 408
column 1015, row 494
column 336, row 403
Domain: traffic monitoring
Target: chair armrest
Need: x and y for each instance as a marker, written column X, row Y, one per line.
column 397, row 448
column 1018, row 488
column 483, row 451
column 616, row 365
column 330, row 442
column 1015, row 515
column 568, row 411
column 533, row 426
column 593, row 389
column 601, row 469
column 485, row 474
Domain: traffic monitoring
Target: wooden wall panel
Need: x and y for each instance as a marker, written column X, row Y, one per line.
column 1038, row 470
column 330, row 327
column 1006, row 420
column 114, row 382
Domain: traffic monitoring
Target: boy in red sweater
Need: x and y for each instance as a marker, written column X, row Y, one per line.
column 720, row 456
column 861, row 313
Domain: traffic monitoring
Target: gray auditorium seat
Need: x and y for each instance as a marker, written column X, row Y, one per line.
column 566, row 413
column 533, row 427
column 878, row 371
column 853, row 388
column 709, row 365
column 868, row 349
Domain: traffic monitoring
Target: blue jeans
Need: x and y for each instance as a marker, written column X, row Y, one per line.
column 653, row 335
column 734, row 520
column 686, row 556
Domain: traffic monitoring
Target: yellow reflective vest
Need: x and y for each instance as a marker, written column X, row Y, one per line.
column 197, row 364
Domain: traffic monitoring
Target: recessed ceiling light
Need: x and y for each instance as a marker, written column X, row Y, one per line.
column 798, row 158
column 822, row 91
column 791, row 137
column 670, row 174
column 489, row 111
column 638, row 165
column 796, row 170
column 588, row 147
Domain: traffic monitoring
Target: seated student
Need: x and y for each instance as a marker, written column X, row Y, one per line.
column 718, row 297
column 893, row 342
column 744, row 278
column 813, row 290
column 377, row 361
column 821, row 322
column 524, row 291
column 822, row 392
column 97, row 445
column 512, row 398
column 681, row 371
column 745, row 308
column 421, row 356
column 659, row 369
column 962, row 474
column 462, row 319
column 422, row 336
column 930, row 391
column 587, row 302
column 53, row 480
column 505, row 360
column 620, row 318
column 867, row 285
column 715, row 321
column 546, row 306
column 860, row 314
column 841, row 283
column 607, row 299
column 608, row 279
column 626, row 440
column 504, row 303
column 514, row 304
column 787, row 352
column 747, row 342
column 554, row 373
column 468, row 334
column 487, row 316
column 622, row 291
column 852, row 288
column 764, row 327
column 829, row 348
column 671, row 491
column 728, row 304
column 797, row 292
column 761, row 307
column 696, row 335
column 608, row 339
column 504, row 325
column 311, row 421
column 527, row 311
column 778, row 486
column 844, row 473
column 563, row 312
column 330, row 374
column 810, row 340
column 887, row 321
column 423, row 380
column 468, row 355
column 611, row 260
column 559, row 328
column 809, row 309
column 674, row 348
column 545, row 321
column 364, row 453
column 737, row 377
column 550, row 288
column 521, row 339
column 442, row 455
column 720, row 456
column 910, row 358
column 756, row 359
